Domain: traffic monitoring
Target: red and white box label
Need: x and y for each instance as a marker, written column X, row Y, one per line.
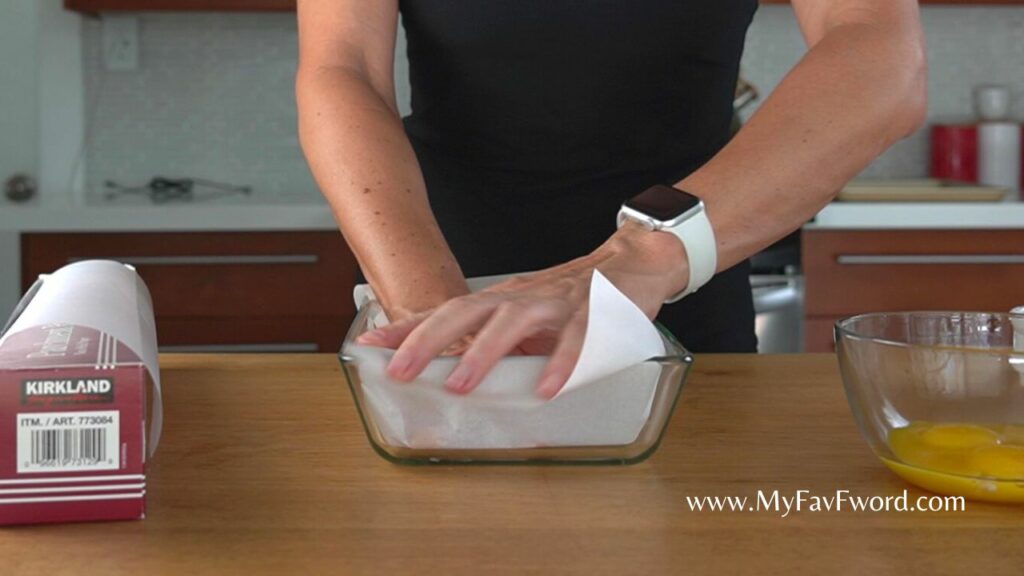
column 73, row 399
column 68, row 441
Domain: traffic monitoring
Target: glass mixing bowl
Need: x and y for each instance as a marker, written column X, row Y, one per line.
column 939, row 396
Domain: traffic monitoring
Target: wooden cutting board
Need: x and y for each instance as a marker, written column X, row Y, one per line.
column 920, row 190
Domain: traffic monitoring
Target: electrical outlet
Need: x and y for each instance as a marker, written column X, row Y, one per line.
column 120, row 42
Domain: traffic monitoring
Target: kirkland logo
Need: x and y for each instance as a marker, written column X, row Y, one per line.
column 68, row 391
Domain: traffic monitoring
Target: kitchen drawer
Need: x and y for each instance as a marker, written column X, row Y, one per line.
column 851, row 272
column 819, row 334
column 252, row 334
column 217, row 275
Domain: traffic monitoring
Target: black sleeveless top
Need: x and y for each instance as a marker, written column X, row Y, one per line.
column 534, row 119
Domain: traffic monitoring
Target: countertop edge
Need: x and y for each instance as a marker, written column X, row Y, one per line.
column 198, row 218
column 919, row 216
column 167, row 218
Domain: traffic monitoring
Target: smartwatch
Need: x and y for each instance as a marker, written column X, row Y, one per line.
column 667, row 209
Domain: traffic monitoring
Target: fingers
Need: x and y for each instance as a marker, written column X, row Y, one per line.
column 563, row 359
column 445, row 326
column 501, row 326
column 523, row 314
column 512, row 322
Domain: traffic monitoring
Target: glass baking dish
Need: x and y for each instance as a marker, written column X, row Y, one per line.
column 667, row 372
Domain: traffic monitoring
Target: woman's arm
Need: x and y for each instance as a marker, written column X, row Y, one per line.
column 860, row 88
column 353, row 139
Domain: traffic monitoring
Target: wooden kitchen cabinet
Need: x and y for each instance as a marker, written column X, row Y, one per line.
column 92, row 6
column 851, row 272
column 255, row 291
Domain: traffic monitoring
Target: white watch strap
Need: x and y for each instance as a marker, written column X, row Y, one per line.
column 698, row 238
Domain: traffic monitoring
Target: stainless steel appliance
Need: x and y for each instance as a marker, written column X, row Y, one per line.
column 779, row 297
column 779, row 304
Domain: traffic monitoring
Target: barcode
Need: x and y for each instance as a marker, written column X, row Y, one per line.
column 62, row 448
column 69, row 441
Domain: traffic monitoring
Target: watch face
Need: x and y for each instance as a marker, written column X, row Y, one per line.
column 663, row 202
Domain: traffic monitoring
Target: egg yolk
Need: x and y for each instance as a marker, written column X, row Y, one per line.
column 958, row 436
column 999, row 461
column 983, row 462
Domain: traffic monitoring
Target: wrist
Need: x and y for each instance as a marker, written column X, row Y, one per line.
column 659, row 254
column 420, row 290
column 682, row 215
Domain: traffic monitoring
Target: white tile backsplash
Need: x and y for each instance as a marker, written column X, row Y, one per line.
column 213, row 96
column 966, row 46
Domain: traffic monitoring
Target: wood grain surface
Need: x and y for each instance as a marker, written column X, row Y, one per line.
column 264, row 300
column 264, row 469
column 835, row 290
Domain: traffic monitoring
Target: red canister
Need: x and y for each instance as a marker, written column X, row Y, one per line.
column 955, row 152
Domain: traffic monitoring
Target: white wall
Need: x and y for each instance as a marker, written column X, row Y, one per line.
column 18, row 131
column 10, row 273
column 213, row 97
column 61, row 114
column 18, row 125
column 967, row 45
column 41, row 116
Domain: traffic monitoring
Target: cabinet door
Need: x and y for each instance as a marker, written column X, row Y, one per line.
column 819, row 333
column 851, row 272
column 217, row 291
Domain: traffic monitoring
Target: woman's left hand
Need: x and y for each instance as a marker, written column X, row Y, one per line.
column 541, row 313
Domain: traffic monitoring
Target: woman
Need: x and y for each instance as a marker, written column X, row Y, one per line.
column 534, row 120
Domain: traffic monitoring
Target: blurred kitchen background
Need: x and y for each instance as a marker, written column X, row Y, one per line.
column 163, row 133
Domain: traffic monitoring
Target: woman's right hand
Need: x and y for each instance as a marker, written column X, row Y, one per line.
column 541, row 313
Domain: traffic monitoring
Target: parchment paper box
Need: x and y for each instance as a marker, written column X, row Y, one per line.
column 76, row 363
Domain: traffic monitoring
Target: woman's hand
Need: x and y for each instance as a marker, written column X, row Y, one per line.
column 543, row 312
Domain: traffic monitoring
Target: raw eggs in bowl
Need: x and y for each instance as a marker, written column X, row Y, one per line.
column 939, row 396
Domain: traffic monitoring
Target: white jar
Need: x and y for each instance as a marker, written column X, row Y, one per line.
column 999, row 157
column 992, row 102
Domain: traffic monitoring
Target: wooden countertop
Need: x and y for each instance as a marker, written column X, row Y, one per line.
column 264, row 469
